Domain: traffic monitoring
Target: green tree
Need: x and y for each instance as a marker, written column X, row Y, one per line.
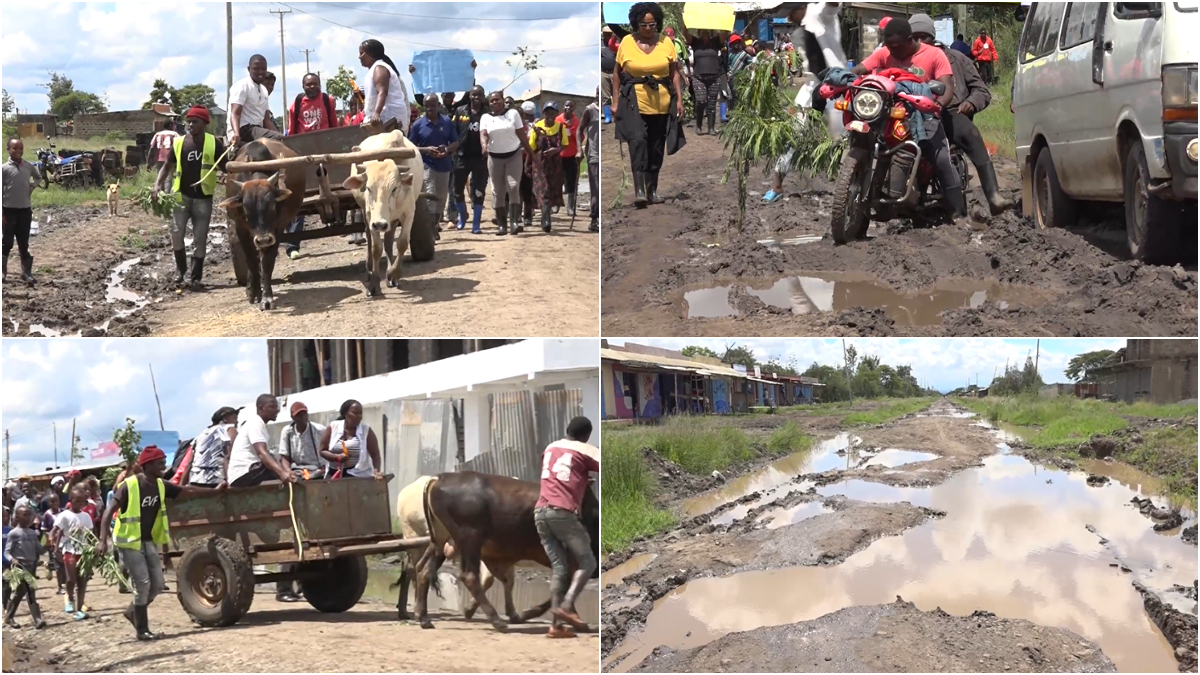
column 339, row 87
column 129, row 440
column 9, row 105
column 523, row 60
column 774, row 365
column 161, row 93
column 1079, row 367
column 739, row 355
column 693, row 350
column 58, row 87
column 75, row 103
column 194, row 94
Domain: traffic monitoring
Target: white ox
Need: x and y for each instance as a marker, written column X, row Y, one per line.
column 410, row 511
column 387, row 190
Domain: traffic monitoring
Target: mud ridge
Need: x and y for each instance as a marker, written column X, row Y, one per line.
column 1177, row 627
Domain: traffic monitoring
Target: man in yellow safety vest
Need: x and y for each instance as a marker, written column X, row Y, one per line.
column 192, row 161
column 141, row 528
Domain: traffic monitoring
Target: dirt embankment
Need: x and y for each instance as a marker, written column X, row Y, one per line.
column 532, row 284
column 890, row 638
column 1003, row 277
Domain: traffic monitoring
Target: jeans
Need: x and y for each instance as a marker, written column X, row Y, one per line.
column 199, row 211
column 594, row 188
column 22, row 591
column 145, row 571
column 937, row 148
column 255, row 476
column 297, row 225
column 963, row 133
column 985, row 70
column 17, row 223
column 505, row 174
column 647, row 154
column 438, row 183
column 560, row 532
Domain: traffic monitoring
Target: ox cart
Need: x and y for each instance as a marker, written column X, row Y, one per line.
column 320, row 529
column 326, row 157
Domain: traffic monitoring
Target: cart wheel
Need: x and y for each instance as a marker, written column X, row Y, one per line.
column 241, row 268
column 338, row 584
column 420, row 238
column 215, row 582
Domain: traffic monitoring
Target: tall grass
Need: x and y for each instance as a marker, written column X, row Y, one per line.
column 699, row 445
column 995, row 122
column 788, row 438
column 626, row 491
column 889, row 411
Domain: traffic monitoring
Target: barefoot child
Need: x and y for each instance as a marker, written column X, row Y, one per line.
column 70, row 528
column 23, row 547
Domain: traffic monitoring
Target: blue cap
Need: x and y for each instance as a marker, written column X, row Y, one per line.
column 550, row 104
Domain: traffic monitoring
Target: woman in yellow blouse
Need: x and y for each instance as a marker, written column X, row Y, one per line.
column 546, row 142
column 647, row 99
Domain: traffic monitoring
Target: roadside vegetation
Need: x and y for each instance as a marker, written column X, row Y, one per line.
column 889, row 411
column 1058, row 426
column 627, row 490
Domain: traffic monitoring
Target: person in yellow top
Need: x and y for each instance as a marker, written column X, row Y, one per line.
column 648, row 99
column 547, row 139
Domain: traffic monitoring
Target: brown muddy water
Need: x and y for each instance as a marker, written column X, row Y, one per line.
column 826, row 293
column 1015, row 541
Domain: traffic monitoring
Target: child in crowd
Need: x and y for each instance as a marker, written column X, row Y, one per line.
column 53, row 554
column 23, row 547
column 71, row 528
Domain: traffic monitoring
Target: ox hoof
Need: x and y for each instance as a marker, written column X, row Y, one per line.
column 427, row 624
column 500, row 625
column 515, row 619
column 469, row 613
column 268, row 303
column 393, row 283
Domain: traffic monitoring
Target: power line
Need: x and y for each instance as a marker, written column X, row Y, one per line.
column 450, row 18
column 426, row 44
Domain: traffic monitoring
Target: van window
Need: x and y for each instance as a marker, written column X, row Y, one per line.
column 1041, row 31
column 1137, row 10
column 1081, row 23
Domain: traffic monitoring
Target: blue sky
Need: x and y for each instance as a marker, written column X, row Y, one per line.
column 118, row 49
column 945, row 363
column 100, row 382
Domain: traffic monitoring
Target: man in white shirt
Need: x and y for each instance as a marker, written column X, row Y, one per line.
column 249, row 118
column 251, row 461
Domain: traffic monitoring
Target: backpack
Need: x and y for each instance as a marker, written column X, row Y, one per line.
column 295, row 116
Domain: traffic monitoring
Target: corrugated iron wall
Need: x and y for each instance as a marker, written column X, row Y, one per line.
column 523, row 424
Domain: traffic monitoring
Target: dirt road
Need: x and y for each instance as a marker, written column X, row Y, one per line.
column 533, row 284
column 681, row 268
column 927, row 544
column 277, row 637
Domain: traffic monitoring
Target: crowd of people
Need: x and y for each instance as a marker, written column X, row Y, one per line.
column 649, row 73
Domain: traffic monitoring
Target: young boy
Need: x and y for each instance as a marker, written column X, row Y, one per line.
column 54, row 555
column 23, row 547
column 71, row 527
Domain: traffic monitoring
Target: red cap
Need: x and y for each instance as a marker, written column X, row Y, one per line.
column 73, row 473
column 884, row 22
column 149, row 454
column 735, row 38
column 199, row 112
column 298, row 407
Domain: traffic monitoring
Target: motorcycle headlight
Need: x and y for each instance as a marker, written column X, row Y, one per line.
column 867, row 105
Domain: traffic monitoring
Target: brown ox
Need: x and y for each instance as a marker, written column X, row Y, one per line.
column 260, row 206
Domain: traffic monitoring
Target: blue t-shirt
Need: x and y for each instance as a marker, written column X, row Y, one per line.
column 428, row 134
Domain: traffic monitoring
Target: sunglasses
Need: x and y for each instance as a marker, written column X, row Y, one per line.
column 643, row 24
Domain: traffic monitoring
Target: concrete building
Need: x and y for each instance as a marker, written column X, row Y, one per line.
column 1162, row 371
column 127, row 122
column 36, row 125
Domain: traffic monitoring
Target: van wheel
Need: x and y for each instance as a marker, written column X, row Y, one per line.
column 1051, row 206
column 1151, row 223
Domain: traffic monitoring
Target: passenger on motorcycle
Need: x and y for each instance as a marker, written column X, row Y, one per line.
column 902, row 50
column 971, row 95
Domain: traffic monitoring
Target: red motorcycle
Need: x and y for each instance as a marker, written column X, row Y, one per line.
column 884, row 175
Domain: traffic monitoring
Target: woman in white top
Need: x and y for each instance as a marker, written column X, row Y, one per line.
column 387, row 97
column 343, row 442
column 502, row 134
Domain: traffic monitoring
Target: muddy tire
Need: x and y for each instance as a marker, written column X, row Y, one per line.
column 849, row 219
column 241, row 267
column 1151, row 223
column 1051, row 206
column 215, row 582
column 421, row 239
column 338, row 584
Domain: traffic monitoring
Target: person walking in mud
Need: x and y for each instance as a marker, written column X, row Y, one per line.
column 140, row 528
column 709, row 64
column 19, row 180
column 194, row 163
column 22, row 547
column 648, row 99
column 971, row 95
column 566, row 469
column 502, row 136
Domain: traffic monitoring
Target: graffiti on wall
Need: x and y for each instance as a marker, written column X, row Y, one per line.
column 648, row 398
column 720, row 391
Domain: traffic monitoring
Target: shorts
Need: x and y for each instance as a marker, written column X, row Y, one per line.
column 70, row 559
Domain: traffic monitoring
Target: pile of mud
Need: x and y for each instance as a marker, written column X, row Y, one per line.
column 896, row 637
column 1179, row 628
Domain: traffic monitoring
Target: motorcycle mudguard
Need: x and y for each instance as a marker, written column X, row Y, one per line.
column 922, row 103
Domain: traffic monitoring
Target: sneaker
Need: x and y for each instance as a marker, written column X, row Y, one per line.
column 79, row 616
column 69, row 607
column 85, row 608
column 61, row 591
column 293, row 254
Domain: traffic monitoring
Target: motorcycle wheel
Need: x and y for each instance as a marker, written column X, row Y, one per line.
column 849, row 219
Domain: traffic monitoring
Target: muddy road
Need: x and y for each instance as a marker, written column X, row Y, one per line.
column 103, row 275
column 681, row 268
column 293, row 637
column 927, row 544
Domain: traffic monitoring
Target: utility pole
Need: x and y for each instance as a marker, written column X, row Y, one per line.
column 307, row 68
column 72, row 441
column 1037, row 356
column 282, row 57
column 846, row 367
column 155, row 387
column 54, row 425
column 228, row 52
column 6, row 455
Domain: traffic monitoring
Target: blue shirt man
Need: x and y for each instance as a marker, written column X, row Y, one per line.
column 437, row 137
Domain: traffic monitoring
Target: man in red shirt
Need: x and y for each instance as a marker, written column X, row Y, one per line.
column 984, row 51
column 570, row 155
column 928, row 63
column 311, row 111
column 565, row 468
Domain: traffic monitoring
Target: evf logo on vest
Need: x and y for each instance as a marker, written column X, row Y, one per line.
column 149, row 501
column 194, row 155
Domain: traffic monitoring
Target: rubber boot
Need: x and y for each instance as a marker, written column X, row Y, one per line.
column 546, row 220
column 461, row 207
column 699, row 121
column 476, row 215
column 514, row 215
column 956, row 203
column 197, row 273
column 4, row 275
column 180, row 267
column 997, row 204
column 143, row 623
column 608, row 114
column 27, row 269
column 502, row 222
column 571, row 205
column 652, row 188
column 724, row 113
column 130, row 614
column 528, row 218
column 639, row 189
column 712, row 122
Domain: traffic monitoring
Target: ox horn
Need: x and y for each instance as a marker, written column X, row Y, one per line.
column 273, row 181
column 233, row 184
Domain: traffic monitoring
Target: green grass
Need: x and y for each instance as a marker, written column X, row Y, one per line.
column 699, row 445
column 58, row 196
column 626, row 492
column 995, row 122
column 133, row 239
column 788, row 438
column 891, row 410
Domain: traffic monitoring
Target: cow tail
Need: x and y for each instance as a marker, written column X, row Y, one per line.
column 427, row 505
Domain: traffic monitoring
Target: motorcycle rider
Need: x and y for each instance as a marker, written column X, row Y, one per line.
column 971, row 95
column 928, row 63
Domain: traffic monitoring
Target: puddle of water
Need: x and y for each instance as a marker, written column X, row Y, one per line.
column 895, row 457
column 821, row 457
column 1011, row 543
column 775, row 244
column 826, row 293
column 528, row 591
column 634, row 565
column 115, row 292
column 39, row 329
column 776, row 519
